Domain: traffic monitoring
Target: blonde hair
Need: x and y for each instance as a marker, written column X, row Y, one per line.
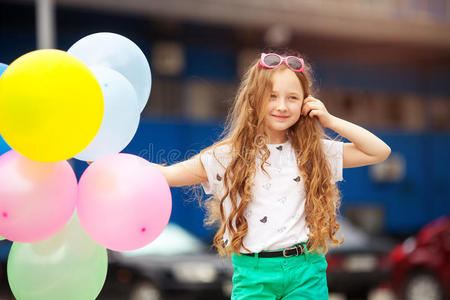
column 244, row 133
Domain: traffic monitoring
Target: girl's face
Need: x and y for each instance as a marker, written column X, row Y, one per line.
column 284, row 106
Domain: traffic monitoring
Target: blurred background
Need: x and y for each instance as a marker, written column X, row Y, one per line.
column 384, row 65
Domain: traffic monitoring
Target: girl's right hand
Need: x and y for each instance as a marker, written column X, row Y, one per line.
column 89, row 162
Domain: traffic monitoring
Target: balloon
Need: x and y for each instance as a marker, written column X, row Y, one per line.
column 1, row 238
column 68, row 265
column 124, row 202
column 36, row 199
column 3, row 146
column 120, row 54
column 51, row 105
column 121, row 117
column 2, row 68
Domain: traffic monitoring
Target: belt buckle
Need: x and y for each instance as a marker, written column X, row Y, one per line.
column 294, row 247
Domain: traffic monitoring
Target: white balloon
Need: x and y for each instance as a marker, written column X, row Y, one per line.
column 120, row 119
column 116, row 52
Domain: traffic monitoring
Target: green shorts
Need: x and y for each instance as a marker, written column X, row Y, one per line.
column 295, row 277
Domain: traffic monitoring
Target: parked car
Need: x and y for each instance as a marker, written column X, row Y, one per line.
column 421, row 264
column 176, row 263
column 360, row 264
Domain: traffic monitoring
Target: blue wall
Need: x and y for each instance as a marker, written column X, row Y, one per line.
column 424, row 193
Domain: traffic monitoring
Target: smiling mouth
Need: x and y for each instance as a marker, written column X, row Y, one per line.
column 280, row 117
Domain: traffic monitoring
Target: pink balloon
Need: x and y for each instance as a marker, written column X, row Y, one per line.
column 124, row 202
column 37, row 199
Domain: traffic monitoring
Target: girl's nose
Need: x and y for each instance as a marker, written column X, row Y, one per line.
column 281, row 104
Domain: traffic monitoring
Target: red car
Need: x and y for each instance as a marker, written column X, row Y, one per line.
column 421, row 264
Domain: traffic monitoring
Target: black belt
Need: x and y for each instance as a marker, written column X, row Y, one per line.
column 288, row 252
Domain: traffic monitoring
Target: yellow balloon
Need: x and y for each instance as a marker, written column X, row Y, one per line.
column 51, row 105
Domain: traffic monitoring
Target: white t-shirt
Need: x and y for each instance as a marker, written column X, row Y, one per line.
column 275, row 214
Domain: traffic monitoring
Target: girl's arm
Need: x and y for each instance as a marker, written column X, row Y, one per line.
column 365, row 148
column 188, row 172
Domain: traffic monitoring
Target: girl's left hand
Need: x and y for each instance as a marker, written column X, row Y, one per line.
column 313, row 107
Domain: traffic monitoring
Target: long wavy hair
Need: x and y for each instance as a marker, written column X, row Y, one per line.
column 244, row 134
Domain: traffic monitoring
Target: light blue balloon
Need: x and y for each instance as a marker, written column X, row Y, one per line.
column 2, row 68
column 116, row 52
column 3, row 145
column 120, row 118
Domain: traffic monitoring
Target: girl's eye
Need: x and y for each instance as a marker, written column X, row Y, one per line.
column 273, row 96
column 293, row 97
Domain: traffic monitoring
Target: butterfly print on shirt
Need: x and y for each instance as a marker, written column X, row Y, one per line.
column 263, row 220
column 218, row 177
column 279, row 148
column 275, row 169
column 297, row 179
column 282, row 200
column 267, row 186
column 280, row 230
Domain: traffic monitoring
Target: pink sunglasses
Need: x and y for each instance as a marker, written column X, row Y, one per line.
column 273, row 60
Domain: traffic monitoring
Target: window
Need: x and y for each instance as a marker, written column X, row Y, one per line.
column 207, row 100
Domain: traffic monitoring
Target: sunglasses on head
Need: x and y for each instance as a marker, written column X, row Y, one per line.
column 273, row 60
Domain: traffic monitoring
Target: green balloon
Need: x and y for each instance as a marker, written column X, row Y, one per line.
column 69, row 265
column 1, row 238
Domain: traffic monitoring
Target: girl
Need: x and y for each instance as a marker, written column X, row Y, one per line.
column 273, row 178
